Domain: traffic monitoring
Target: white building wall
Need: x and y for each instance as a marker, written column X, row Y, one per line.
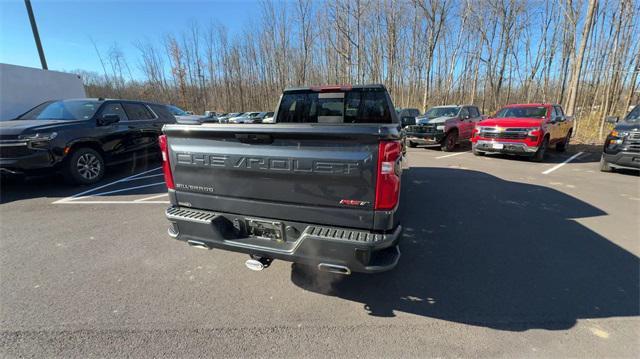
column 22, row 88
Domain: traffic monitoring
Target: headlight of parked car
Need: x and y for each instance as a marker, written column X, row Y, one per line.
column 617, row 137
column 440, row 128
column 39, row 140
column 39, row 136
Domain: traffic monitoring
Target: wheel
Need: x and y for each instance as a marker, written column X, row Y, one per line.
column 412, row 144
column 85, row 166
column 562, row 146
column 476, row 152
column 539, row 155
column 605, row 166
column 449, row 142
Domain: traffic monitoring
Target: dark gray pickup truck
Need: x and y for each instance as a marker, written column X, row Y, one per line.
column 321, row 187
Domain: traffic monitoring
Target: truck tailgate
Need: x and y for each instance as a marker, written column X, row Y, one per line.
column 301, row 172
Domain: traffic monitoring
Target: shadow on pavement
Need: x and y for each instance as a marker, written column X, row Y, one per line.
column 488, row 252
column 54, row 186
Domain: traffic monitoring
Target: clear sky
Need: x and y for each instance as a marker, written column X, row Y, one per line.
column 66, row 27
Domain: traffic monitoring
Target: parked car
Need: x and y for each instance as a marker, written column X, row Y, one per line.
column 262, row 116
column 622, row 146
column 80, row 137
column 225, row 118
column 250, row 117
column 524, row 129
column 444, row 126
column 186, row 118
column 407, row 116
column 322, row 191
column 269, row 119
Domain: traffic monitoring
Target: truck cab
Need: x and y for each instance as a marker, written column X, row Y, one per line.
column 523, row 129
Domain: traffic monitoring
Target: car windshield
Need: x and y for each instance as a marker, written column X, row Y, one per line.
column 63, row 110
column 177, row 111
column 442, row 112
column 634, row 115
column 523, row 112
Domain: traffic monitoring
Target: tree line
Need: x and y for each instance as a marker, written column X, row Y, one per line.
column 584, row 55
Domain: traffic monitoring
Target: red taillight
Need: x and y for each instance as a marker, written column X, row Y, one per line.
column 388, row 183
column 166, row 167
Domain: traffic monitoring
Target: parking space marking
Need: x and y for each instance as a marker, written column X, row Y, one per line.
column 114, row 202
column 121, row 190
column 152, row 197
column 451, row 155
column 562, row 164
column 81, row 195
column 145, row 177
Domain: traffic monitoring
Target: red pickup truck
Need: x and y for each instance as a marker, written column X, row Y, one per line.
column 523, row 129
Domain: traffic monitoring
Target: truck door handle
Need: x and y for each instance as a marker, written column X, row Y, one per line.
column 254, row 138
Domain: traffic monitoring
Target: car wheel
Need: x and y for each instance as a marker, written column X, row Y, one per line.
column 449, row 142
column 412, row 144
column 85, row 166
column 605, row 166
column 542, row 150
column 562, row 146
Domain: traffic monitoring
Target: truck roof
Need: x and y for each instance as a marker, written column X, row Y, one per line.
column 343, row 87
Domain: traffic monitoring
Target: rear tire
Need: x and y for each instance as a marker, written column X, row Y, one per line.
column 562, row 146
column 605, row 166
column 540, row 153
column 412, row 144
column 450, row 141
column 85, row 166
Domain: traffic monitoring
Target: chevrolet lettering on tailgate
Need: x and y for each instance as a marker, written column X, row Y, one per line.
column 278, row 164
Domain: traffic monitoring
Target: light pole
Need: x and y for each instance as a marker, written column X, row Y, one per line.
column 36, row 36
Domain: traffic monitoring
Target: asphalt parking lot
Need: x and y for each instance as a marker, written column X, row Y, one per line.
column 501, row 258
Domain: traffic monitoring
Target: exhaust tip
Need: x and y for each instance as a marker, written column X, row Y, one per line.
column 197, row 244
column 334, row 268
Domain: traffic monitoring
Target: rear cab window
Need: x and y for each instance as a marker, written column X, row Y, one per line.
column 360, row 105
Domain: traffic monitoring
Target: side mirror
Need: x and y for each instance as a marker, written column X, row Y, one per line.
column 611, row 119
column 109, row 119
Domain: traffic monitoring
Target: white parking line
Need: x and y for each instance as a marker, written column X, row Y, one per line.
column 114, row 202
column 77, row 195
column 152, row 197
column 145, row 177
column 562, row 164
column 120, row 190
column 451, row 155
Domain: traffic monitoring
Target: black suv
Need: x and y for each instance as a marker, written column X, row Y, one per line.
column 79, row 137
column 622, row 146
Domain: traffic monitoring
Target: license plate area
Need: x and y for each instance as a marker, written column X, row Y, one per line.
column 498, row 146
column 270, row 230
